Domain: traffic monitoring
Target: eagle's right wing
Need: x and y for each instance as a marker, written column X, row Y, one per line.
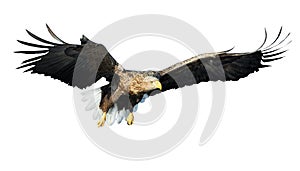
column 221, row 66
column 76, row 65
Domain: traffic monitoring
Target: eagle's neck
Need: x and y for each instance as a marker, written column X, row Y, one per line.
column 137, row 85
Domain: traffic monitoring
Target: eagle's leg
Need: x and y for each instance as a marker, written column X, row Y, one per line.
column 102, row 120
column 130, row 118
column 104, row 106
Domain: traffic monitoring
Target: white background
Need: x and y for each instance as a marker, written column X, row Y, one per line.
column 260, row 127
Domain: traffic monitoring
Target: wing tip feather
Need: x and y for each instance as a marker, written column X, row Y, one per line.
column 54, row 35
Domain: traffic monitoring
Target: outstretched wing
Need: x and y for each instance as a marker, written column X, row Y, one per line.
column 76, row 65
column 221, row 66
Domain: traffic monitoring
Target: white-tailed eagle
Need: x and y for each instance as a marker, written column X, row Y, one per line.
column 82, row 65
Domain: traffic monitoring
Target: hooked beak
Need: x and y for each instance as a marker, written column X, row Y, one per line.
column 158, row 85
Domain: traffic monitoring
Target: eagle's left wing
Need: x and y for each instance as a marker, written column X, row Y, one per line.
column 76, row 65
column 221, row 66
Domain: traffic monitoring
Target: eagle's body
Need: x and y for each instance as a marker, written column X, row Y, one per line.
column 127, row 89
column 82, row 65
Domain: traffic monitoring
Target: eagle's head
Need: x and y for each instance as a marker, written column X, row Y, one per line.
column 152, row 83
column 144, row 84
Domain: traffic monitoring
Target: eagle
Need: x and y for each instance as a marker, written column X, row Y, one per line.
column 81, row 65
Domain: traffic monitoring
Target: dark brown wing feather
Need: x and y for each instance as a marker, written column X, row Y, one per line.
column 76, row 65
column 221, row 66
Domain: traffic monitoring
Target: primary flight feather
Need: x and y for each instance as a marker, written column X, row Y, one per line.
column 82, row 65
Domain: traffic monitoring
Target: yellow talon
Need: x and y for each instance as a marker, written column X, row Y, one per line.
column 130, row 119
column 102, row 120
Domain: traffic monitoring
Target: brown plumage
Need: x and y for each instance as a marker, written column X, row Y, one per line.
column 82, row 65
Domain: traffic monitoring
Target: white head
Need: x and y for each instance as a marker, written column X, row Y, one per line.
column 144, row 84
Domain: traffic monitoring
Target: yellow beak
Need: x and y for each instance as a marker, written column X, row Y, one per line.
column 158, row 85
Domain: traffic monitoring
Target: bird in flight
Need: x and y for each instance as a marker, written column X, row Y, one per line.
column 83, row 65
